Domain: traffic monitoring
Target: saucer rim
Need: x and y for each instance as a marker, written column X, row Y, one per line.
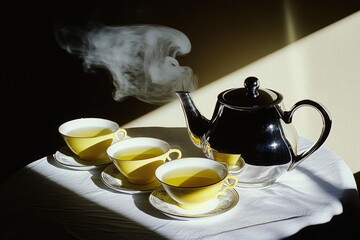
column 59, row 159
column 119, row 188
column 234, row 201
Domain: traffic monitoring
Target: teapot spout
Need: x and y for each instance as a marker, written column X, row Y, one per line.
column 196, row 123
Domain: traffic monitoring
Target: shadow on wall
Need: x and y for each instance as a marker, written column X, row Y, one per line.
column 43, row 86
column 357, row 180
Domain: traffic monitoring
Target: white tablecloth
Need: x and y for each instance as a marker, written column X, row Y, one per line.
column 47, row 201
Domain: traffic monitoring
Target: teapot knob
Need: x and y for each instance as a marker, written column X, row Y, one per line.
column 252, row 85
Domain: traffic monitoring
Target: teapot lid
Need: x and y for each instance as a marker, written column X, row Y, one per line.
column 250, row 96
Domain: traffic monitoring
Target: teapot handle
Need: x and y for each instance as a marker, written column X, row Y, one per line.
column 287, row 117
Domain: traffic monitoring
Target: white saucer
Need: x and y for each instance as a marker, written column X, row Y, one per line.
column 118, row 182
column 163, row 202
column 237, row 168
column 65, row 157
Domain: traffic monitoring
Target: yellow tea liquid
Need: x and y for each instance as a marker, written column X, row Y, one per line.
column 138, row 153
column 89, row 132
column 191, row 177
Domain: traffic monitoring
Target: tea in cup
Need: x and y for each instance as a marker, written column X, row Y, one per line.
column 89, row 138
column 137, row 158
column 194, row 182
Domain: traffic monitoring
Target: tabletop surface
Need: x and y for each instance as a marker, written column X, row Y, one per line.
column 46, row 199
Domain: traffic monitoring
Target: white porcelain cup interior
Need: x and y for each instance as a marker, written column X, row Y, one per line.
column 192, row 162
column 69, row 126
column 138, row 142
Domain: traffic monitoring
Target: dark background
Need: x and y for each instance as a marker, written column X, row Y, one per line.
column 42, row 86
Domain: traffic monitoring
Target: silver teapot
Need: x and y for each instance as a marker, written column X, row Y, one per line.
column 251, row 132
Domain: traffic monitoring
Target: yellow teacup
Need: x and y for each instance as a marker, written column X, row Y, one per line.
column 193, row 182
column 232, row 161
column 89, row 138
column 137, row 158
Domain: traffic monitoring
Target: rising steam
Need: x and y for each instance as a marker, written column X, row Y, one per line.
column 141, row 59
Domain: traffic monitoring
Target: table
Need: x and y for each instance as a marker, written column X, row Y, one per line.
column 45, row 200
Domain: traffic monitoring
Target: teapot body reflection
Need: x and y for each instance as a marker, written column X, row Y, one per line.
column 251, row 132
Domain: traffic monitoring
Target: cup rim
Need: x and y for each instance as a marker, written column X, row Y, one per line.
column 125, row 141
column 192, row 159
column 62, row 127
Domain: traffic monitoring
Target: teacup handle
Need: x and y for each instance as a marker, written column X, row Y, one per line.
column 230, row 182
column 124, row 134
column 173, row 150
